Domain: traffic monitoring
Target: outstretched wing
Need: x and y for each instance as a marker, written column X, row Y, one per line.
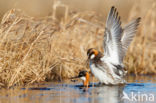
column 112, row 38
column 128, row 34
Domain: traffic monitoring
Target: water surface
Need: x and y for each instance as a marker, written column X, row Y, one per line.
column 138, row 90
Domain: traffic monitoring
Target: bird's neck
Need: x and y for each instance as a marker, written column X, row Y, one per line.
column 86, row 82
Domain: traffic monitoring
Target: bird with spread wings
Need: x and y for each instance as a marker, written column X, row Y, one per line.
column 108, row 67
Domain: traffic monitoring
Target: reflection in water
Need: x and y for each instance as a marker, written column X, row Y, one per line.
column 109, row 94
column 69, row 92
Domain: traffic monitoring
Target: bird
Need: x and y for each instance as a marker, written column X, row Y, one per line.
column 84, row 76
column 108, row 66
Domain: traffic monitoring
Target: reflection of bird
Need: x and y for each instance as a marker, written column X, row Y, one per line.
column 108, row 67
column 84, row 76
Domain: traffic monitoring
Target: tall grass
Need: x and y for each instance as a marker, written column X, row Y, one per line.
column 54, row 47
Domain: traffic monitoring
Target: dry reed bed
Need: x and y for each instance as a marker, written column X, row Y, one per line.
column 43, row 49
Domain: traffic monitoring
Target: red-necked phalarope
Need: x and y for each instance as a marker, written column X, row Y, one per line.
column 84, row 76
column 108, row 67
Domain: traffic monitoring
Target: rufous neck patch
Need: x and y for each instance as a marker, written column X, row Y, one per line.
column 86, row 82
column 95, row 52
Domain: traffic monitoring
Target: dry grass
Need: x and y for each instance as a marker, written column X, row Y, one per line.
column 141, row 58
column 42, row 49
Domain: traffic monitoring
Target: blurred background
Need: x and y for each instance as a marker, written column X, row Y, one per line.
column 45, row 7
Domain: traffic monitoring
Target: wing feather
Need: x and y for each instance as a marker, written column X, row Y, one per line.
column 117, row 40
column 112, row 37
column 129, row 33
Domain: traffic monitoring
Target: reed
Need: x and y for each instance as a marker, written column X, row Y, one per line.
column 35, row 49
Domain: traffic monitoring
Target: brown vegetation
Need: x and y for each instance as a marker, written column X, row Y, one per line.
column 54, row 47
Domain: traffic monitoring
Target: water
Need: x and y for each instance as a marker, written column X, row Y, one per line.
column 137, row 90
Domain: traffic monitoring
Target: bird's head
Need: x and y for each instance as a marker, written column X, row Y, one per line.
column 92, row 53
column 84, row 76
